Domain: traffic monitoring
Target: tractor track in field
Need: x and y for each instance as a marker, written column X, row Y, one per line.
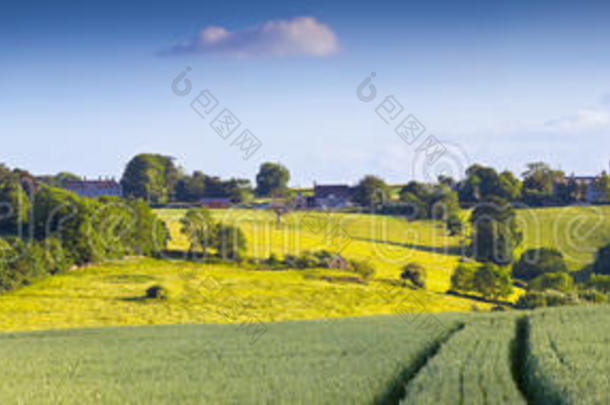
column 397, row 390
column 519, row 357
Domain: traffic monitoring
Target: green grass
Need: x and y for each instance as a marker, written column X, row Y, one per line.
column 343, row 361
column 569, row 356
column 474, row 367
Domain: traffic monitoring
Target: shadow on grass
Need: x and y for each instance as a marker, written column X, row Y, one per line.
column 445, row 250
column 478, row 298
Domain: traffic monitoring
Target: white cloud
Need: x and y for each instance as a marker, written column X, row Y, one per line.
column 301, row 36
column 586, row 120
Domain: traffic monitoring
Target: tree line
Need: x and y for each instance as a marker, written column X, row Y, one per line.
column 45, row 230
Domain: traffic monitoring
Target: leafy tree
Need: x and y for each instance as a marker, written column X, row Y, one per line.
column 492, row 281
column 15, row 206
column 371, row 192
column 602, row 261
column 463, row 277
column 495, row 233
column 198, row 227
column 552, row 281
column 229, row 241
column 415, row 273
column 272, row 180
column 536, row 262
column 599, row 282
column 483, row 182
column 539, row 183
column 150, row 177
column 191, row 188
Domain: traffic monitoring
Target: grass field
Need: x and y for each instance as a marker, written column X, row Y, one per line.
column 432, row 359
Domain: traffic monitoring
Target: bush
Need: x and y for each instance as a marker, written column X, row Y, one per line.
column 492, row 282
column 552, row 281
column 157, row 292
column 600, row 283
column 462, row 277
column 307, row 260
column 415, row 273
column 602, row 261
column 592, row 296
column 363, row 268
column 229, row 241
column 542, row 299
column 536, row 262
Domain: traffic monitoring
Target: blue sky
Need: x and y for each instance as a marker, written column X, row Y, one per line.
column 86, row 86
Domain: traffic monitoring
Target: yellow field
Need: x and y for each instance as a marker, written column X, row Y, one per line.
column 109, row 294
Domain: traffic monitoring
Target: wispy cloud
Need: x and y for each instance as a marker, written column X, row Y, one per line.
column 583, row 121
column 301, row 36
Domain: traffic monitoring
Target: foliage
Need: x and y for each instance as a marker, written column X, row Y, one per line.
column 539, row 184
column 602, row 261
column 157, row 292
column 197, row 225
column 548, row 298
column 599, row 282
column 415, row 273
column 495, row 233
column 463, row 277
column 371, row 192
column 492, row 282
column 229, row 241
column 151, row 177
column 483, row 182
column 536, row 262
column 552, row 281
column 198, row 186
column 272, row 180
column 592, row 296
column 365, row 269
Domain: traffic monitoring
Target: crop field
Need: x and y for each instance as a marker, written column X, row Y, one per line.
column 413, row 359
column 474, row 367
column 320, row 362
column 569, row 359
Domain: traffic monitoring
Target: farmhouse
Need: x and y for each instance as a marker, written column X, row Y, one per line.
column 332, row 196
column 215, row 203
column 587, row 186
column 95, row 188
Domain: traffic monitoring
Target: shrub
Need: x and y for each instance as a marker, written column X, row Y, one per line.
column 363, row 268
column 157, row 292
column 602, row 261
column 415, row 273
column 462, row 277
column 273, row 261
column 552, row 281
column 593, row 296
column 536, row 262
column 599, row 282
column 492, row 281
column 307, row 261
column 229, row 241
column 549, row 298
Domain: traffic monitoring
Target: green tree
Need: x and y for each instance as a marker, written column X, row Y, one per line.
column 536, row 262
column 495, row 232
column 197, row 225
column 602, row 187
column 272, row 180
column 150, row 177
column 539, row 182
column 602, row 261
column 492, row 282
column 552, row 281
column 463, row 277
column 371, row 192
column 230, row 242
column 415, row 273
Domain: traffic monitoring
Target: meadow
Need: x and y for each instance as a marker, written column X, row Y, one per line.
column 110, row 294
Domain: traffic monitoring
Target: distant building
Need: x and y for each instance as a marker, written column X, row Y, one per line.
column 332, row 196
column 95, row 188
column 588, row 189
column 215, row 203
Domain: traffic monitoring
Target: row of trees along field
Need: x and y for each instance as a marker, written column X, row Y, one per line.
column 157, row 179
column 45, row 230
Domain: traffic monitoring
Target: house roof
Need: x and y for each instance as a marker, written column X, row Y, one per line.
column 337, row 190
